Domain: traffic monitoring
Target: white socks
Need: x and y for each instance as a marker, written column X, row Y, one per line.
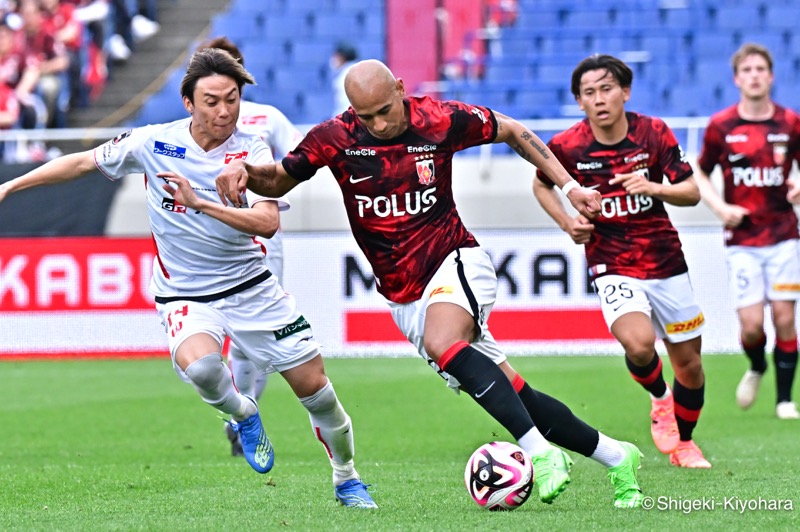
column 533, row 442
column 608, row 452
column 332, row 427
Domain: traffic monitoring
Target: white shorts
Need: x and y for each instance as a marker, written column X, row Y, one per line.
column 466, row 278
column 262, row 321
column 669, row 302
column 759, row 274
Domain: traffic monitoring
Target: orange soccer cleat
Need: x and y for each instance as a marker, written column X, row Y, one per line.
column 688, row 455
column 664, row 428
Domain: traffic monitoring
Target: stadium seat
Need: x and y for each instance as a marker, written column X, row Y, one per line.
column 775, row 42
column 690, row 100
column 287, row 27
column 782, row 17
column 586, row 19
column 311, row 52
column 554, row 72
column 680, row 18
column 236, row 27
column 713, row 44
column 734, row 17
column 711, row 72
column 337, row 25
column 608, row 44
column 316, row 107
column 295, row 77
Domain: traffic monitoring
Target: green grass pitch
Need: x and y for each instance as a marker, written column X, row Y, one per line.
column 124, row 445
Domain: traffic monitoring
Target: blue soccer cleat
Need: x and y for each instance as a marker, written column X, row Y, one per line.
column 255, row 444
column 353, row 494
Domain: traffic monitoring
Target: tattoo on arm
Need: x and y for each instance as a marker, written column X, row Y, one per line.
column 527, row 136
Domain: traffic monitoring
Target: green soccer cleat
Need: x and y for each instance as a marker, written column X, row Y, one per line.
column 627, row 493
column 552, row 469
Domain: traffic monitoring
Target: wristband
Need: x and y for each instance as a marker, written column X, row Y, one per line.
column 569, row 186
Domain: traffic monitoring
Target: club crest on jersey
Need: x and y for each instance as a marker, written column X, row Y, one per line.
column 426, row 171
column 233, row 156
column 119, row 138
column 170, row 150
column 779, row 150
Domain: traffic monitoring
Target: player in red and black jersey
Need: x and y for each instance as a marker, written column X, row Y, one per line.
column 632, row 249
column 755, row 142
column 392, row 158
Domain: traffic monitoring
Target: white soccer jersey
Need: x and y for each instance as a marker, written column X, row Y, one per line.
column 271, row 125
column 281, row 136
column 197, row 255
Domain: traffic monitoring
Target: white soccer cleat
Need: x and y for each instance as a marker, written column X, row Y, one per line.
column 787, row 410
column 747, row 390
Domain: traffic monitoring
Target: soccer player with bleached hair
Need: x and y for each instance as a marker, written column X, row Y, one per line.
column 274, row 128
column 392, row 157
column 756, row 142
column 210, row 278
column 632, row 249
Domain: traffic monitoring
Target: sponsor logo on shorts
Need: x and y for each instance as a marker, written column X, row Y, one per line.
column 299, row 325
column 686, row 326
column 786, row 287
column 170, row 150
column 441, row 290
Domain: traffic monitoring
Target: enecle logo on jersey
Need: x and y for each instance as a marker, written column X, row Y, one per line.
column 254, row 120
column 233, row 156
column 397, row 205
column 170, row 150
column 169, row 204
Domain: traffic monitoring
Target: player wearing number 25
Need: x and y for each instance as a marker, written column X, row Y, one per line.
column 632, row 249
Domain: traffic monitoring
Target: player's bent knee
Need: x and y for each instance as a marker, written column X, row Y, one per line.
column 206, row 372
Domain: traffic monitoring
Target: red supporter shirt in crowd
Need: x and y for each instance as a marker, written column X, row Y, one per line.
column 633, row 234
column 756, row 159
column 398, row 192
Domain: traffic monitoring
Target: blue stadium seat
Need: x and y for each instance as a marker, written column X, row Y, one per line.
column 312, row 52
column 608, row 44
column 337, row 25
column 713, row 44
column 501, row 73
column 236, row 27
column 354, row 5
column 679, row 18
column 690, row 100
column 587, row 19
column 259, row 54
column 303, row 7
column 554, row 72
column 297, row 78
column 712, row 72
column 316, row 107
column 736, row 17
column 773, row 41
column 659, row 45
column 626, row 19
column 284, row 27
column 374, row 48
column 783, row 17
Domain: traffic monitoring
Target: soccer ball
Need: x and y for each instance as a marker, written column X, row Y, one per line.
column 499, row 476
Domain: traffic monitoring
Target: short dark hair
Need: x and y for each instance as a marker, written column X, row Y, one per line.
column 212, row 61
column 223, row 43
column 750, row 48
column 347, row 51
column 616, row 67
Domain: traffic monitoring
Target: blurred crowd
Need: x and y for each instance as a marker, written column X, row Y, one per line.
column 55, row 55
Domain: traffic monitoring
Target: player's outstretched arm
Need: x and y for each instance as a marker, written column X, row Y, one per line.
column 269, row 180
column 531, row 148
column 60, row 170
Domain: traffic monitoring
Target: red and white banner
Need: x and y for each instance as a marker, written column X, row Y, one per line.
column 89, row 297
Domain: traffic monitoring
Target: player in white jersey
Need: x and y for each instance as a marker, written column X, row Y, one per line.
column 210, row 278
column 274, row 128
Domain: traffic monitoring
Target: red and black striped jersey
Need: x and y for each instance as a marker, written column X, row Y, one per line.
column 398, row 192
column 756, row 159
column 633, row 234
